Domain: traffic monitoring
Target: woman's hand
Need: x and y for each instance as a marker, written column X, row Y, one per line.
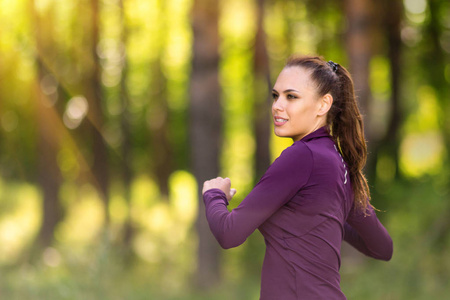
column 223, row 184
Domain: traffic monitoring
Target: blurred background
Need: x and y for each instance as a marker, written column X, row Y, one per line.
column 114, row 112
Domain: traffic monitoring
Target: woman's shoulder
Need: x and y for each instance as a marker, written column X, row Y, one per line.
column 298, row 155
column 296, row 161
column 298, row 148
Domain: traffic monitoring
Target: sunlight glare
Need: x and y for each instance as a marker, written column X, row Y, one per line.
column 42, row 5
column 158, row 219
column 415, row 10
column 428, row 113
column 415, row 6
column 19, row 226
column 146, row 247
column 48, row 84
column 183, row 196
column 237, row 19
column 51, row 257
column 179, row 38
column 422, row 153
column 410, row 35
column 238, row 160
column 144, row 193
column 163, row 223
column 307, row 36
column 84, row 219
column 422, row 149
column 76, row 110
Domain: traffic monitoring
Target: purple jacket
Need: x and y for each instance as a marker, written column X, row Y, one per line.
column 303, row 208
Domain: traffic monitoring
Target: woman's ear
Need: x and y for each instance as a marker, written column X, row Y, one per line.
column 325, row 104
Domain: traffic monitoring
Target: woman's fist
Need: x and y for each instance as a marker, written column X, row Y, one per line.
column 223, row 184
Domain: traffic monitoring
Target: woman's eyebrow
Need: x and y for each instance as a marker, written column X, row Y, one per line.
column 291, row 90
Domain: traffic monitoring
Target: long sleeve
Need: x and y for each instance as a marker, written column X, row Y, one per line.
column 284, row 178
column 368, row 235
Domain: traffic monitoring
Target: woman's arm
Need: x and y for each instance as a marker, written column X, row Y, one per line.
column 284, row 178
column 368, row 235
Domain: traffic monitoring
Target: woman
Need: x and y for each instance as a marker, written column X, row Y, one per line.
column 313, row 195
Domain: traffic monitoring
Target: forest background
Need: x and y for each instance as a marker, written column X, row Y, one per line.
column 114, row 112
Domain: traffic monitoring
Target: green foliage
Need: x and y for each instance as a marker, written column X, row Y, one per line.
column 145, row 55
column 418, row 269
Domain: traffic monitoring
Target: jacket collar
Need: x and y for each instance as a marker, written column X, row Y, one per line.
column 321, row 132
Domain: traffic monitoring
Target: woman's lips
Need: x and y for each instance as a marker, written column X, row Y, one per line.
column 279, row 121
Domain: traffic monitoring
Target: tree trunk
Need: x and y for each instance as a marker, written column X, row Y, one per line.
column 159, row 117
column 2, row 110
column 434, row 61
column 48, row 140
column 127, row 173
column 389, row 17
column 49, row 175
column 262, row 91
column 95, row 115
column 205, row 126
column 392, row 20
column 359, row 46
column 160, row 129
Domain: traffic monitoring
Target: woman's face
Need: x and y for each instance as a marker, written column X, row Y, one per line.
column 297, row 110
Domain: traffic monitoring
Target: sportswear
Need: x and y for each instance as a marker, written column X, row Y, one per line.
column 303, row 206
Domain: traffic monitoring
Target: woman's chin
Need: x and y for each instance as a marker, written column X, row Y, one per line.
column 281, row 135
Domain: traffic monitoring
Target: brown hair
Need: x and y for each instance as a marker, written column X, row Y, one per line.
column 344, row 120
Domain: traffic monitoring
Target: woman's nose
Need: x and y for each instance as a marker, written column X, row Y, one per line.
column 277, row 105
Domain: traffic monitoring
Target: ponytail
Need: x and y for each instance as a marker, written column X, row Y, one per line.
column 347, row 129
column 344, row 120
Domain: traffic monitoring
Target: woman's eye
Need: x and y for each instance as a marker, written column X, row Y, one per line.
column 289, row 96
column 274, row 96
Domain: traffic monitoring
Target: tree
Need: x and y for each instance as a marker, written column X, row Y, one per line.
column 390, row 15
column 160, row 114
column 160, row 129
column 127, row 172
column 49, row 175
column 48, row 140
column 262, row 91
column 434, row 61
column 359, row 46
column 205, row 126
column 94, row 95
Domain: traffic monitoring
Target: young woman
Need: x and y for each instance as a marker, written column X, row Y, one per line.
column 314, row 194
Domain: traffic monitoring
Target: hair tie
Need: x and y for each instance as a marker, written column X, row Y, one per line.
column 334, row 66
